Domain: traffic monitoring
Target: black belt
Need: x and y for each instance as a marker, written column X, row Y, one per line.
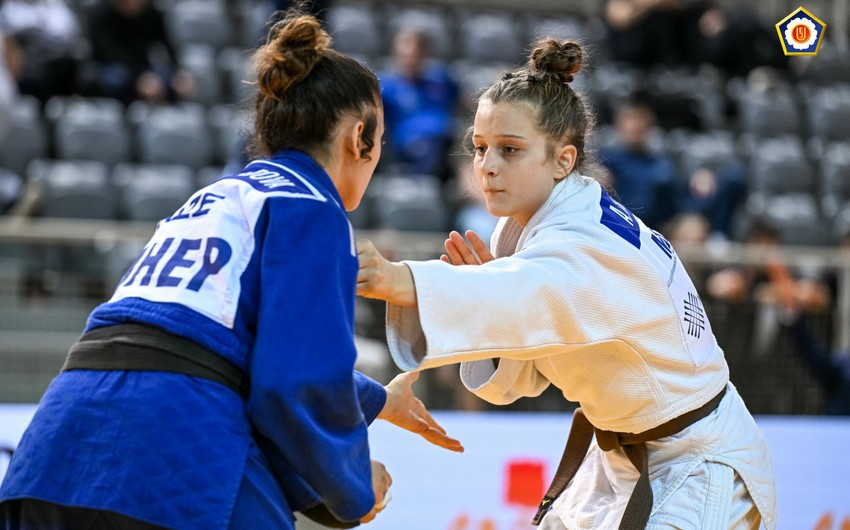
column 140, row 347
column 639, row 506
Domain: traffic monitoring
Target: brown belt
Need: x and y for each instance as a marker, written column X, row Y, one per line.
column 634, row 445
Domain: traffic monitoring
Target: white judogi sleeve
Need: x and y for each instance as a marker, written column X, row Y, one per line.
column 512, row 380
column 482, row 312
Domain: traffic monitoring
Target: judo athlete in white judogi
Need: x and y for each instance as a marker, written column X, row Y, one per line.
column 577, row 292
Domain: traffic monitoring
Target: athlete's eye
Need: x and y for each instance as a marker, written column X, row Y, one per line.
column 509, row 149
column 479, row 150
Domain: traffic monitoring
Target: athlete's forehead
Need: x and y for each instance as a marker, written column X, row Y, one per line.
column 504, row 120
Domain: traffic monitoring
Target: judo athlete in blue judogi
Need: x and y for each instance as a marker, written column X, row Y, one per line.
column 215, row 389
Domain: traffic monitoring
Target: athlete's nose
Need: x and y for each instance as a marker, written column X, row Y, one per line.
column 488, row 164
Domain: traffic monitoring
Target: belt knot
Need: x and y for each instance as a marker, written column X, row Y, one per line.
column 608, row 440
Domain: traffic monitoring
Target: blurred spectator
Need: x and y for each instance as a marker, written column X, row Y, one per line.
column 736, row 285
column 643, row 32
column 736, row 41
column 10, row 183
column 9, row 70
column 643, row 179
column 419, row 103
column 133, row 57
column 692, row 32
column 688, row 230
column 832, row 370
column 715, row 193
column 741, row 284
column 47, row 34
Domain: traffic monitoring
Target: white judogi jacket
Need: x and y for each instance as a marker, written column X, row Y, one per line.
column 585, row 297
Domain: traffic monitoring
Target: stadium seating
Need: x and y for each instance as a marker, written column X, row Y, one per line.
column 779, row 166
column 491, row 38
column 26, row 137
column 172, row 135
column 829, row 113
column 200, row 61
column 89, row 129
column 355, row 30
column 152, row 192
column 835, row 178
column 769, row 113
column 408, row 203
column 433, row 21
column 74, row 188
column 199, row 22
column 235, row 65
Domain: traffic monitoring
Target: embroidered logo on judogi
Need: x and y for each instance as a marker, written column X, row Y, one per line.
column 694, row 315
column 800, row 33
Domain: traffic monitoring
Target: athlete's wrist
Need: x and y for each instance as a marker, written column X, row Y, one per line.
column 404, row 290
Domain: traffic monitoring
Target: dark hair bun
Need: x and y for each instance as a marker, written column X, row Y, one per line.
column 559, row 58
column 294, row 46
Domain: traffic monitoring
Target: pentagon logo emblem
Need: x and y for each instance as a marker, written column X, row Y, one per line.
column 800, row 33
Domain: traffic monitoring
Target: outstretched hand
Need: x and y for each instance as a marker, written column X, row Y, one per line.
column 405, row 410
column 379, row 278
column 459, row 252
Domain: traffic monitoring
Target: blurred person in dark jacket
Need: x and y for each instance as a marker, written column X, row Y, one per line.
column 133, row 57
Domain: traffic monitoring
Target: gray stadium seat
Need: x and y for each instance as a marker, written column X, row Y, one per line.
column 798, row 220
column 240, row 78
column 10, row 188
column 491, row 38
column 829, row 113
column 355, row 30
column 89, row 129
column 229, row 127
column 841, row 225
column 199, row 22
column 200, row 61
column 475, row 78
column 208, row 175
column 152, row 192
column 770, row 113
column 835, row 178
column 76, row 189
column 175, row 134
column 408, row 203
column 779, row 166
column 26, row 138
column 253, row 22
column 832, row 67
column 433, row 21
column 710, row 150
column 561, row 28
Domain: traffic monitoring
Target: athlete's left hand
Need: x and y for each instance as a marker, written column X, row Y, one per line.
column 458, row 252
column 405, row 410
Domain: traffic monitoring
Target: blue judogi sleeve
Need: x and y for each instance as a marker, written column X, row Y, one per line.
column 372, row 396
column 304, row 397
column 299, row 494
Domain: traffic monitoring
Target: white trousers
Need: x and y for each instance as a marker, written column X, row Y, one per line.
column 712, row 498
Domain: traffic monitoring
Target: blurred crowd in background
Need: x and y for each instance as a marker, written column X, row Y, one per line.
column 119, row 109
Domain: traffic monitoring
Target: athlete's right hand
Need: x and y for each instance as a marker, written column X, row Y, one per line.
column 381, row 482
column 459, row 252
column 380, row 278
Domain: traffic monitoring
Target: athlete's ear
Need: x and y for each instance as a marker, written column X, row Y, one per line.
column 354, row 139
column 566, row 156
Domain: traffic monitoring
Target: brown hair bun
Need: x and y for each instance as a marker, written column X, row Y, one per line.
column 558, row 58
column 294, row 46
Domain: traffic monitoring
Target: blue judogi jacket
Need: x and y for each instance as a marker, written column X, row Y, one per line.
column 259, row 267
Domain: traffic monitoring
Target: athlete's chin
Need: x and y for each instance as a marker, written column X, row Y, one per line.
column 497, row 209
column 499, row 212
